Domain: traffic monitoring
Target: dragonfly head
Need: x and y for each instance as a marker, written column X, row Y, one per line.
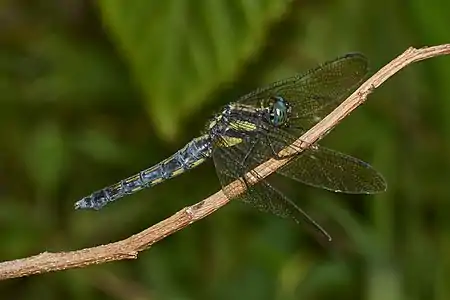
column 277, row 111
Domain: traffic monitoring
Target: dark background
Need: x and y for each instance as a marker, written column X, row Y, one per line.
column 95, row 91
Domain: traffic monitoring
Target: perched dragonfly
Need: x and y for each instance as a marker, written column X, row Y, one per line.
column 257, row 127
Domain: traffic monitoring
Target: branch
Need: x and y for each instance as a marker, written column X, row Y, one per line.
column 130, row 247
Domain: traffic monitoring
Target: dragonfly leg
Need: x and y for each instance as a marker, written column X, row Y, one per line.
column 248, row 153
column 276, row 154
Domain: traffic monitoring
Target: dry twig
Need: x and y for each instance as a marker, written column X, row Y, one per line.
column 130, row 247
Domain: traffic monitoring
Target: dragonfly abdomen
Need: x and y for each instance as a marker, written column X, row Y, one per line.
column 190, row 156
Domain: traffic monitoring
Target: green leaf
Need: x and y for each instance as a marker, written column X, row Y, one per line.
column 181, row 51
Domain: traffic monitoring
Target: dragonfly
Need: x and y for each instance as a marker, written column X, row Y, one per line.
column 254, row 129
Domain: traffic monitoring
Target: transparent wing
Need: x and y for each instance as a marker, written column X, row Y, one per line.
column 327, row 169
column 315, row 94
column 262, row 195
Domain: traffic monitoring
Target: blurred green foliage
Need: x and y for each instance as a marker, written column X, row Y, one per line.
column 92, row 92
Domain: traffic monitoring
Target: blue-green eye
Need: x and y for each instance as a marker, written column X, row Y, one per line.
column 279, row 112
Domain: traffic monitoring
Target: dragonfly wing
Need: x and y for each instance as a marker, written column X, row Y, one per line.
column 313, row 95
column 231, row 165
column 327, row 169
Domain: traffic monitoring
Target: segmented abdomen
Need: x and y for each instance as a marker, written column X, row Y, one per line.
column 190, row 156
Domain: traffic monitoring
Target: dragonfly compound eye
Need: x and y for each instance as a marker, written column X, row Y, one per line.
column 279, row 112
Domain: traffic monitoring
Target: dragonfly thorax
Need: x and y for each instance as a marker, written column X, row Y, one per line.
column 239, row 122
column 235, row 123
